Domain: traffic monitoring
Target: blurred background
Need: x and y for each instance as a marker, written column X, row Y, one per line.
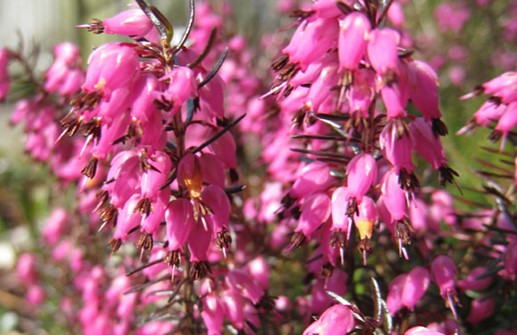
column 465, row 54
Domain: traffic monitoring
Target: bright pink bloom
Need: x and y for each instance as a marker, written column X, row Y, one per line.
column 132, row 22
column 474, row 282
column 339, row 209
column 423, row 89
column 407, row 290
column 395, row 100
column 507, row 122
column 353, row 37
column 451, row 17
column 5, row 81
column 426, row 143
column 155, row 176
column 233, row 305
column 338, row 319
column 481, row 309
column 182, row 86
column 397, row 149
column 56, row 226
column 503, row 87
column 315, row 210
column 311, row 41
column 444, row 271
column 361, row 175
column 179, row 219
column 213, row 314
column 383, row 50
column 111, row 66
column 35, row 295
column 26, row 268
column 314, row 177
column 367, row 217
column 394, row 196
column 361, row 93
column 259, row 270
column 422, row 331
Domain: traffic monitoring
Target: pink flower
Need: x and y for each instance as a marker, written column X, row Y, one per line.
column 315, row 210
column 382, row 50
column 337, row 320
column 361, row 175
column 132, row 22
column 353, row 37
column 5, row 81
column 111, row 66
column 421, row 331
column 481, row 309
column 423, row 89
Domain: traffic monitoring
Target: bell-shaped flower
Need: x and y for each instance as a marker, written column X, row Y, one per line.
column 338, row 319
column 426, row 143
column 190, row 175
column 423, row 89
column 321, row 88
column 503, row 87
column 200, row 239
column 383, row 50
column 396, row 149
column 311, row 41
column 182, row 86
column 481, row 309
column 143, row 96
column 225, row 149
column 507, row 122
column 353, row 38
column 233, row 305
column 419, row 330
column 340, row 218
column 128, row 218
column 325, row 9
column 155, row 176
column 394, row 101
column 394, row 197
column 259, row 270
column 476, row 280
column 26, row 268
column 5, row 81
column 111, row 66
column 212, row 314
column 241, row 281
column 55, row 226
column 133, row 22
column 366, row 219
column 361, row 92
column 179, row 219
column 212, row 169
column 219, row 206
column 313, row 177
column 315, row 210
column 361, row 175
column 443, row 272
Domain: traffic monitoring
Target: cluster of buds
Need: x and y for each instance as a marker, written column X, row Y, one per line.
column 340, row 65
column 153, row 115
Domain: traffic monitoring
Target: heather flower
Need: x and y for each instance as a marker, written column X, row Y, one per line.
column 443, row 272
column 481, row 309
column 353, row 38
column 338, row 319
column 5, row 81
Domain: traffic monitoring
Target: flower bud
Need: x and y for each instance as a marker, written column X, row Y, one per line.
column 353, row 37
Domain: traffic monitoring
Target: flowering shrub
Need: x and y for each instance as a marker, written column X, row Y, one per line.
column 336, row 229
